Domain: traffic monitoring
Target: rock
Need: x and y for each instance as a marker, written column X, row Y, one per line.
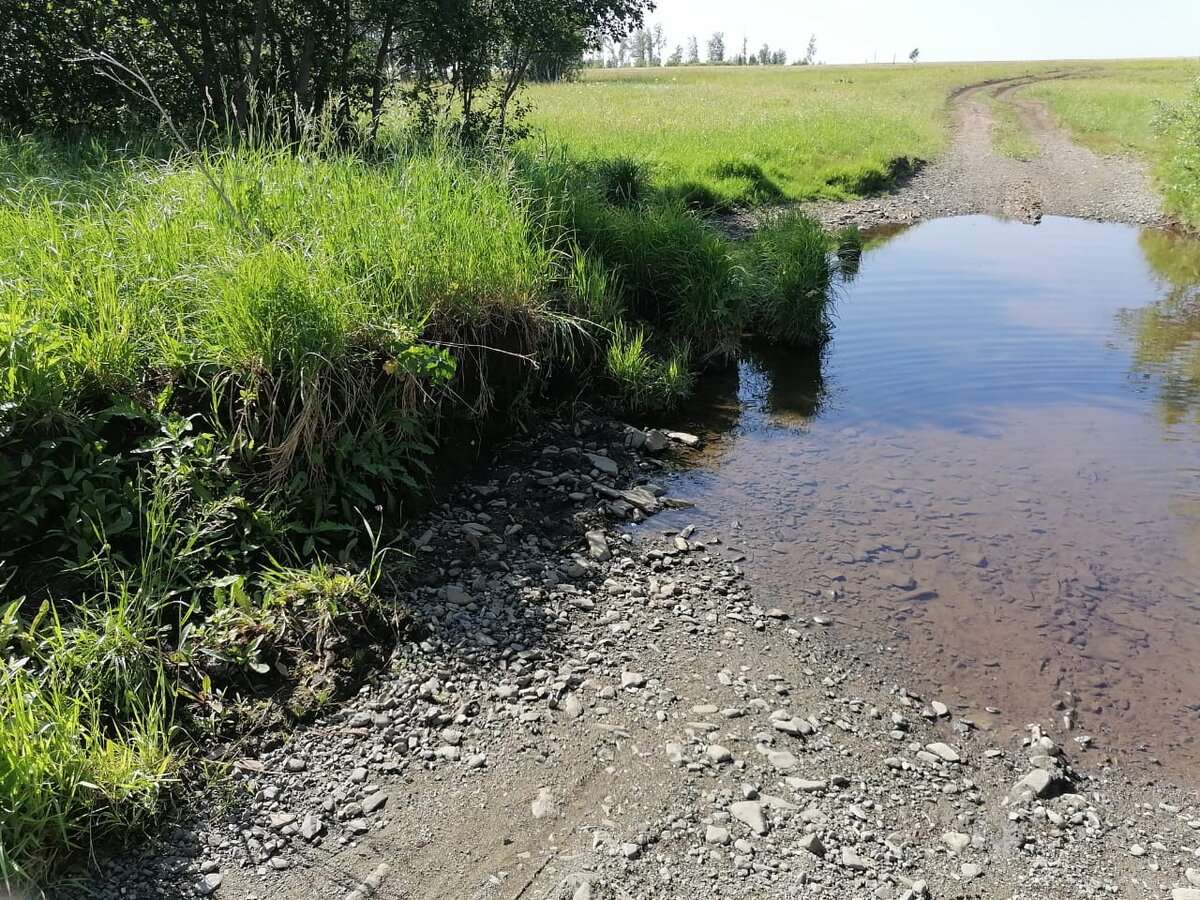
column 572, row 707
column 750, row 813
column 374, row 802
column 630, row 850
column 716, row 834
column 675, row 753
column 782, row 760
column 477, row 761
column 813, row 845
column 583, row 891
column 358, row 776
column 279, row 863
column 1185, row 894
column 598, row 546
column 209, row 883
column 823, row 621
column 718, row 754
column 944, row 751
column 1193, row 877
column 295, row 764
column 940, row 709
column 543, row 805
column 1036, row 784
column 971, row 871
column 603, row 463
column 311, row 827
column 853, row 861
column 358, row 826
column 682, row 437
column 656, row 441
column 632, row 680
column 452, row 736
column 806, row 785
column 282, row 820
column 456, row 596
column 956, row 841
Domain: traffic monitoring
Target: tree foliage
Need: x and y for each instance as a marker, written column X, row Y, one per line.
column 245, row 64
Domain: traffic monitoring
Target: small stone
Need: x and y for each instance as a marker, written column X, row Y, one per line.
column 682, row 437
column 956, row 841
column 603, row 463
column 750, row 813
column 782, row 760
column 718, row 754
column 813, row 845
column 944, row 751
column 716, row 834
column 656, row 441
column 477, row 761
column 572, row 707
column 940, row 709
column 543, row 806
column 295, row 764
column 279, row 863
column 358, row 776
column 1036, row 784
column 853, row 861
column 630, row 850
column 1193, row 877
column 209, row 883
column 1185, row 894
column 598, row 546
column 807, row 785
column 282, row 820
column 311, row 827
column 1137, row 850
column 456, row 596
column 971, row 871
column 374, row 802
column 358, row 826
column 632, row 680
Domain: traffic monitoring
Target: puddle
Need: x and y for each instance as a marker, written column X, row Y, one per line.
column 996, row 466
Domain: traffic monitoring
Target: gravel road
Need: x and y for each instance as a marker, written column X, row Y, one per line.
column 600, row 709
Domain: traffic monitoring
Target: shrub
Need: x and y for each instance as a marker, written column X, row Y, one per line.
column 791, row 277
column 1180, row 124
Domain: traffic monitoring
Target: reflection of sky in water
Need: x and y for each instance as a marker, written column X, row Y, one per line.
column 955, row 319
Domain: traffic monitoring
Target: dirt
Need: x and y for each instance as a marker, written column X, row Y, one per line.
column 603, row 708
column 1065, row 179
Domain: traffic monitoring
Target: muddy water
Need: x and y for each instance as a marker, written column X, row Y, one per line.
column 994, row 469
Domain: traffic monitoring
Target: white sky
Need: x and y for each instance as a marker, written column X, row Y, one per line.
column 855, row 31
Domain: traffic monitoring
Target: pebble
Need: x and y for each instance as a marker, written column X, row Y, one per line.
column 956, row 841
column 853, row 861
column 374, row 802
column 750, row 813
column 209, row 883
column 311, row 827
column 716, row 834
column 944, row 751
column 812, row 843
column 632, row 680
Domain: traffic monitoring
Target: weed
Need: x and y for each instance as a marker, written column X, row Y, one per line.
column 789, row 258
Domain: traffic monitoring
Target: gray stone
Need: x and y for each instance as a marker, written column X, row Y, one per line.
column 630, row 850
column 632, row 680
column 311, row 827
column 718, row 754
column 603, row 463
column 598, row 546
column 717, row 834
column 572, row 707
column 656, row 441
column 750, row 813
column 782, row 760
column 1185, row 894
column 853, row 861
column 682, row 437
column 971, row 871
column 209, row 883
column 812, row 843
column 944, row 751
column 543, row 805
column 956, row 841
column 1036, row 784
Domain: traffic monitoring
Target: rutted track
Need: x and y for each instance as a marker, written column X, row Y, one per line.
column 1064, row 180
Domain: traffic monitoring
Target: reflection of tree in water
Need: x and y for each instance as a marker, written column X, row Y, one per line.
column 790, row 384
column 1166, row 334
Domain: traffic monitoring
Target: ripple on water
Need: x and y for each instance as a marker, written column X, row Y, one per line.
column 996, row 464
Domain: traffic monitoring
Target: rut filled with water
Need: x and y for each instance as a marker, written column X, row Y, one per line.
column 994, row 468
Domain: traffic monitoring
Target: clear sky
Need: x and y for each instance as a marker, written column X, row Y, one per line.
column 855, row 31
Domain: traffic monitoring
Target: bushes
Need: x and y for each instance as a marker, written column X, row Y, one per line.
column 1181, row 169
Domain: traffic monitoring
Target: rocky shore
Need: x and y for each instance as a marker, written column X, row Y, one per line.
column 599, row 707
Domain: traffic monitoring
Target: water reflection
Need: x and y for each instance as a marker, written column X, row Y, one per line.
column 1166, row 333
column 973, row 468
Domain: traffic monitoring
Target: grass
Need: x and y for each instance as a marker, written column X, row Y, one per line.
column 726, row 136
column 1010, row 137
column 206, row 396
column 1114, row 106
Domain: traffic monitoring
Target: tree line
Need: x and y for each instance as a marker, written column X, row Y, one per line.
column 241, row 65
column 645, row 47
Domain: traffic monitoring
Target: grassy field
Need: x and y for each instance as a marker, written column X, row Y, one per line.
column 1113, row 106
column 749, row 135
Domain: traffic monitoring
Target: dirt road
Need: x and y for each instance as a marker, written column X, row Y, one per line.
column 1065, row 179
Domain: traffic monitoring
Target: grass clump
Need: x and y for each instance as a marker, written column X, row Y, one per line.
column 789, row 257
column 644, row 382
column 1180, row 125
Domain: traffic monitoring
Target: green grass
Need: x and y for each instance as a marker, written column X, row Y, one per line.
column 1113, row 107
column 1010, row 137
column 726, row 135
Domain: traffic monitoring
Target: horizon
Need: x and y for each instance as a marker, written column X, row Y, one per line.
column 857, row 32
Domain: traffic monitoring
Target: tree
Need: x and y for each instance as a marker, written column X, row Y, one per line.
column 912, row 57
column 780, row 58
column 764, row 56
column 693, row 52
column 810, row 54
column 658, row 44
column 744, row 57
column 676, row 57
column 716, row 48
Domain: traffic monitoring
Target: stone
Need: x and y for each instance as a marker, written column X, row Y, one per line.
column 477, row 761
column 358, row 776
column 598, row 546
column 1193, row 877
column 940, row 709
column 782, row 760
column 971, row 871
column 543, row 805
column 358, row 826
column 632, row 680
column 956, row 841
column 209, row 883
column 630, row 850
column 944, row 751
column 603, row 463
column 572, row 707
column 282, row 820
column 583, row 891
column 682, row 437
column 718, row 754
column 456, row 596
column 812, row 843
column 717, row 834
column 311, row 827
column 295, row 764
column 656, row 441
column 807, row 785
column 374, row 802
column 1137, row 850
column 750, row 813
column 853, row 861
column 1185, row 894
column 1036, row 784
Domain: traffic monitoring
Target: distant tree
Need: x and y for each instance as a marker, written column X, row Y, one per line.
column 744, row 57
column 641, row 47
column 779, row 58
column 676, row 57
column 810, row 55
column 912, row 57
column 693, row 51
column 716, row 48
column 658, row 44
column 765, row 57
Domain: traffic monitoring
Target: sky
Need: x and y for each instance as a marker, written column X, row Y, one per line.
column 855, row 31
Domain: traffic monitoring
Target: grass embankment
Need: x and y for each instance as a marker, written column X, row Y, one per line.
column 206, row 396
column 724, row 136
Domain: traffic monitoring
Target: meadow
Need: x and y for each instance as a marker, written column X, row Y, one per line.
column 225, row 372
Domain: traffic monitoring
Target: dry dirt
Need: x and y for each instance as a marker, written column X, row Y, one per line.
column 972, row 178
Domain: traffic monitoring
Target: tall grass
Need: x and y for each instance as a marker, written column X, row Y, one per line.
column 1180, row 127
